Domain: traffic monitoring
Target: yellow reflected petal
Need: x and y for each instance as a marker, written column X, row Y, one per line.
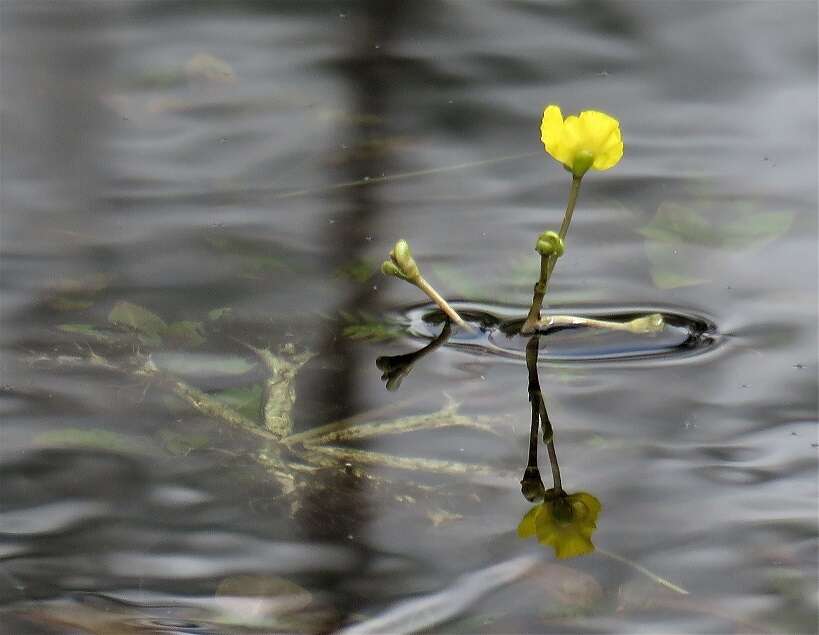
column 572, row 546
column 526, row 528
column 588, row 501
column 565, row 523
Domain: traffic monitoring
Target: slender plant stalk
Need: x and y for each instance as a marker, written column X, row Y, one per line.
column 547, row 264
column 442, row 304
column 647, row 324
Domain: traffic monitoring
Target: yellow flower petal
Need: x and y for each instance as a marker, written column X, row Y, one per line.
column 552, row 133
column 591, row 139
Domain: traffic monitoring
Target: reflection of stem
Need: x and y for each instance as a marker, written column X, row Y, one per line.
column 547, row 263
column 533, row 439
column 434, row 345
column 550, row 445
column 535, row 396
column 396, row 367
column 539, row 412
column 644, row 571
column 436, row 297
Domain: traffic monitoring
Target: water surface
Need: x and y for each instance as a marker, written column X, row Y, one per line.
column 240, row 169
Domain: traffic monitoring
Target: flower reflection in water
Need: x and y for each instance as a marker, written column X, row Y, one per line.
column 562, row 521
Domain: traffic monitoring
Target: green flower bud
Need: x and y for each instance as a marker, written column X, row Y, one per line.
column 401, row 253
column 549, row 243
column 388, row 268
column 401, row 263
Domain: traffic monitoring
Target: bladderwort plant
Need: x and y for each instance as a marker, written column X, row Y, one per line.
column 588, row 141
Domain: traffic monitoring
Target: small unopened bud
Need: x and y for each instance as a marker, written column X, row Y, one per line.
column 550, row 243
column 401, row 263
column 388, row 268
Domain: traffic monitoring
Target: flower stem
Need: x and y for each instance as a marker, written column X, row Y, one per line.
column 547, row 263
column 436, row 297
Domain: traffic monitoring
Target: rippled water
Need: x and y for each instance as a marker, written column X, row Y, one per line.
column 202, row 181
column 577, row 333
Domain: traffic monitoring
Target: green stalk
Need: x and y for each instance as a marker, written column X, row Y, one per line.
column 547, row 263
column 438, row 299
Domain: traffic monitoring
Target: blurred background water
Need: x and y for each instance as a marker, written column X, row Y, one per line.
column 239, row 169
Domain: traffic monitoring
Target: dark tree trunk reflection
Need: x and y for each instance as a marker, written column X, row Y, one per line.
column 353, row 221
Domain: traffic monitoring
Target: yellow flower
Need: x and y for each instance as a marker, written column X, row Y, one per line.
column 565, row 522
column 591, row 140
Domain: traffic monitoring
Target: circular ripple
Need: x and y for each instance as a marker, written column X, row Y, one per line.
column 497, row 333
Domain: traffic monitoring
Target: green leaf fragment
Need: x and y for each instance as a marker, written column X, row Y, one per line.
column 758, row 229
column 66, row 303
column 138, row 318
column 365, row 326
column 180, row 444
column 87, row 330
column 672, row 269
column 220, row 313
column 186, row 333
column 358, row 271
column 90, row 439
column 716, row 224
column 680, row 238
column 246, row 400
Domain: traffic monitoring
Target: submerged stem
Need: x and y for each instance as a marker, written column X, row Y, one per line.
column 653, row 576
column 547, row 263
